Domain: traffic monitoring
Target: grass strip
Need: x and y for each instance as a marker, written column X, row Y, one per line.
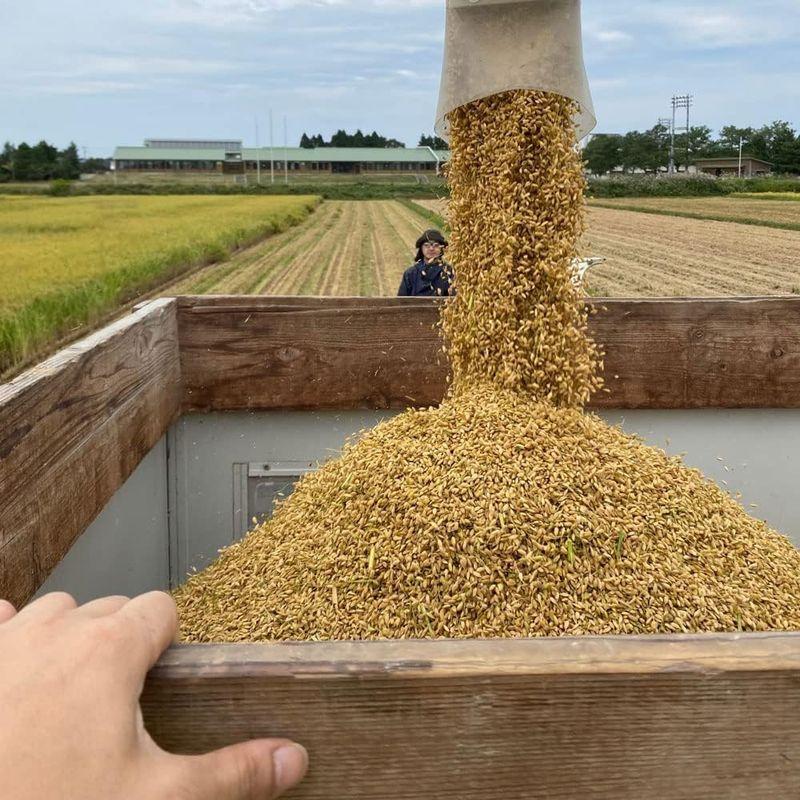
column 710, row 217
column 437, row 220
column 779, row 196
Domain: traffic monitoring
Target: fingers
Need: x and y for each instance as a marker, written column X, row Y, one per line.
column 258, row 770
column 102, row 607
column 153, row 620
column 47, row 607
column 7, row 611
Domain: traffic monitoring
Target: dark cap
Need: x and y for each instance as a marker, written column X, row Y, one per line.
column 431, row 235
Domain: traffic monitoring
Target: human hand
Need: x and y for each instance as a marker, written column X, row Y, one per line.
column 70, row 723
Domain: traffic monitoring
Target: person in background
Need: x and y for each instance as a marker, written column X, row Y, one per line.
column 70, row 723
column 430, row 275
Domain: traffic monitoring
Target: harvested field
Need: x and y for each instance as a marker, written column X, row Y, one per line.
column 438, row 206
column 653, row 255
column 664, row 255
column 347, row 248
column 745, row 209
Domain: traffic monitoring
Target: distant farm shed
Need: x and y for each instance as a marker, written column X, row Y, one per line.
column 725, row 167
column 230, row 157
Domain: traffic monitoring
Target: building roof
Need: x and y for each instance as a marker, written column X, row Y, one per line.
column 228, row 144
column 169, row 154
column 318, row 154
column 724, row 161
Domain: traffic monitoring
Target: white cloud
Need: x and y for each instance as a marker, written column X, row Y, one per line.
column 151, row 65
column 611, row 37
column 724, row 28
column 711, row 24
column 608, row 83
column 88, row 87
column 236, row 13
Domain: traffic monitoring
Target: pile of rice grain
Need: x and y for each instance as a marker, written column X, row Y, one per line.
column 507, row 511
column 494, row 515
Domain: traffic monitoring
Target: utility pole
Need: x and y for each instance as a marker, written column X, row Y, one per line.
column 258, row 155
column 666, row 123
column 679, row 101
column 741, row 147
column 285, row 152
column 271, row 151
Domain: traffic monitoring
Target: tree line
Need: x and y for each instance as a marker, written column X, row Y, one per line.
column 359, row 139
column 434, row 142
column 344, row 139
column 42, row 161
column 777, row 143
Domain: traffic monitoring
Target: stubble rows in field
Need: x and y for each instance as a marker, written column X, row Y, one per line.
column 746, row 209
column 661, row 255
column 652, row 255
column 346, row 248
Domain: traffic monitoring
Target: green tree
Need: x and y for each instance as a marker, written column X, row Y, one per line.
column 695, row 145
column 305, row 142
column 434, row 142
column 781, row 145
column 7, row 162
column 68, row 163
column 648, row 151
column 44, row 158
column 727, row 143
column 603, row 153
column 95, row 165
column 358, row 139
column 23, row 162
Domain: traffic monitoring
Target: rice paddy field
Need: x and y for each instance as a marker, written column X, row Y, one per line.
column 66, row 264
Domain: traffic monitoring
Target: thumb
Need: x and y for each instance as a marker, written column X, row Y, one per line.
column 261, row 769
column 7, row 611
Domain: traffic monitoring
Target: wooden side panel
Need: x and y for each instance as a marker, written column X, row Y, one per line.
column 697, row 353
column 72, row 429
column 677, row 718
column 261, row 353
column 265, row 352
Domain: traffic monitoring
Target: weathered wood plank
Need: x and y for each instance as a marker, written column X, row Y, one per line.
column 698, row 353
column 269, row 352
column 309, row 353
column 72, row 429
column 612, row 718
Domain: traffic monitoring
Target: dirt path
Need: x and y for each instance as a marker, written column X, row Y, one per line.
column 345, row 248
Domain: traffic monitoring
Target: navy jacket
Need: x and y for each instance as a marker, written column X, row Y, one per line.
column 427, row 280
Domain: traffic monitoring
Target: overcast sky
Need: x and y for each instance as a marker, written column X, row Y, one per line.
column 103, row 72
